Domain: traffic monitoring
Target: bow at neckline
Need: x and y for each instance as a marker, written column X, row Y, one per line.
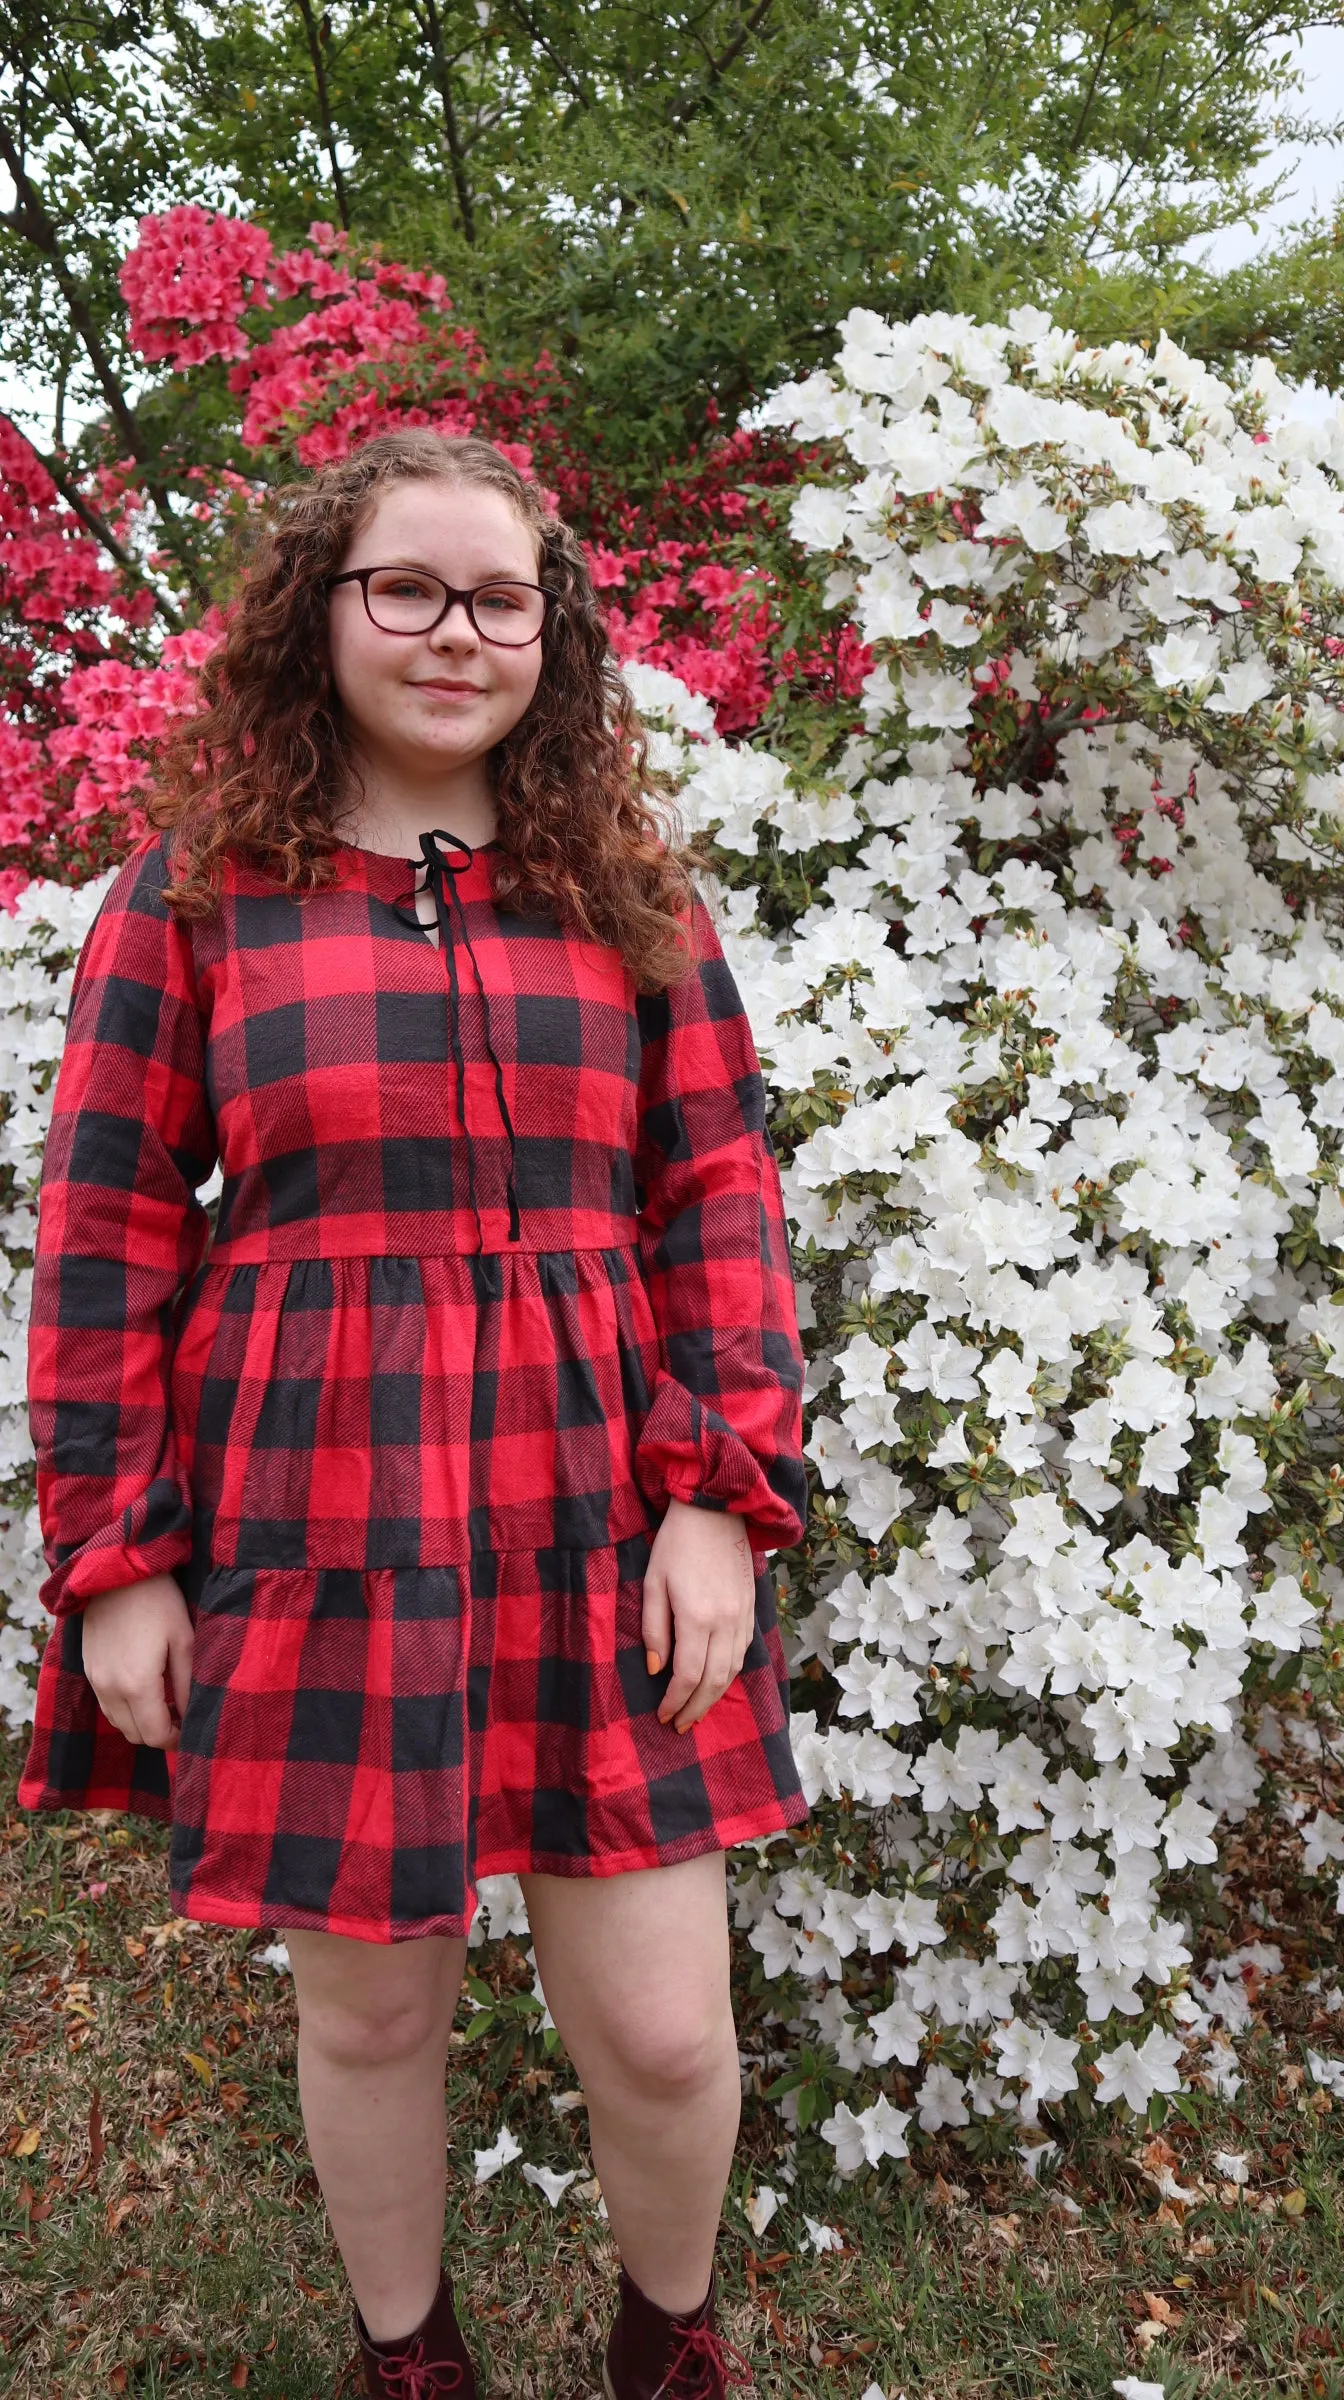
column 441, row 873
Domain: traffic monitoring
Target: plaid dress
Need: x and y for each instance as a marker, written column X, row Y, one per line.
column 500, row 1267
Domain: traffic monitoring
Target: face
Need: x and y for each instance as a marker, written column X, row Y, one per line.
column 424, row 705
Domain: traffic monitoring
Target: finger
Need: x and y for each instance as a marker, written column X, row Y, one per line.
column 656, row 1621
column 714, row 1682
column 743, row 1650
column 180, row 1651
column 688, row 1666
column 120, row 1713
column 151, row 1715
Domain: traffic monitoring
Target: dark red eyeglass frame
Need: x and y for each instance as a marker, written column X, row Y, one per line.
column 362, row 575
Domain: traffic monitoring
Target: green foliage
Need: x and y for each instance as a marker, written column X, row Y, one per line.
column 678, row 203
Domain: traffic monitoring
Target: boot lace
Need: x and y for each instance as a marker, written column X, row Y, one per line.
column 414, row 2377
column 700, row 2367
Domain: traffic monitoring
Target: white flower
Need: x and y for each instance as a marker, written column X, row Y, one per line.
column 546, row 2179
column 1232, row 2165
column 1041, row 2060
column 942, row 2100
column 823, row 2237
column 501, row 2153
column 936, row 699
column 1023, row 508
column 1284, row 1616
column 1183, row 660
column 759, row 2208
column 1135, row 2075
column 1322, row 1841
column 866, row 2137
column 1128, row 529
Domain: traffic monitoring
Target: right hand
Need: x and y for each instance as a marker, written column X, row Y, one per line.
column 138, row 1642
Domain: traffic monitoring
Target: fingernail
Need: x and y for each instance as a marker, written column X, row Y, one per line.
column 653, row 1662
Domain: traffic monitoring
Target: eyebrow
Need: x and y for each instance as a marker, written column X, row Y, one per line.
column 492, row 575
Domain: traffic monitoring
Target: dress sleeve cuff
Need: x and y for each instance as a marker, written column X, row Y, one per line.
column 687, row 1451
column 151, row 1538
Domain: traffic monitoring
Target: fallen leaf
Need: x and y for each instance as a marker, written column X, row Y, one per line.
column 119, row 2210
column 27, row 2142
column 201, row 2065
column 312, row 2290
column 1161, row 2309
column 1007, row 2230
column 117, row 2379
column 137, row 1950
column 1157, row 2154
column 238, row 2377
column 1294, row 2204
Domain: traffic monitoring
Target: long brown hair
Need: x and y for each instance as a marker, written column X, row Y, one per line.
column 265, row 769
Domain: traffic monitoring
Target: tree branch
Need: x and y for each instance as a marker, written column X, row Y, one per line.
column 324, row 105
column 29, row 218
column 718, row 67
column 96, row 524
column 432, row 27
column 527, row 20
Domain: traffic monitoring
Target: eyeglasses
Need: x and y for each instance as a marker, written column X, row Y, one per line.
column 407, row 600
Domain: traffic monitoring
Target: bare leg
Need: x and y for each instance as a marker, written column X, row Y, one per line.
column 374, row 2021
column 635, row 1971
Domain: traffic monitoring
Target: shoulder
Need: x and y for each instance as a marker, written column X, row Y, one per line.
column 135, row 934
column 141, row 880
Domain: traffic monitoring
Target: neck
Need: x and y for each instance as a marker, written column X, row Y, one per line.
column 390, row 810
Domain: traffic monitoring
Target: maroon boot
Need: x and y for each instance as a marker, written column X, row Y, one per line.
column 430, row 2364
column 653, row 2356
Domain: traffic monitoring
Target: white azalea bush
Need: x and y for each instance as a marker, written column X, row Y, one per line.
column 38, row 948
column 1039, row 939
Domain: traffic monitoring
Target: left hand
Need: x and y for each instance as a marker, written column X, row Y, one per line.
column 701, row 1584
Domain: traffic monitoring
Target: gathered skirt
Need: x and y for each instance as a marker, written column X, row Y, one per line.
column 416, row 1581
column 359, row 1749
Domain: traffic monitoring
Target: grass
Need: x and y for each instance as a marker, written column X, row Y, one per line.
column 163, row 2234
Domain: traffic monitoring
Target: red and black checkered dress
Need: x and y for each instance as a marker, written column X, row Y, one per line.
column 500, row 1267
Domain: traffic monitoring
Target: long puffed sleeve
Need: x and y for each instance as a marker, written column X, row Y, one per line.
column 725, row 1427
column 120, row 1231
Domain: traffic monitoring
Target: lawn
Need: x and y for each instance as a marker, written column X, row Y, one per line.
column 162, row 2233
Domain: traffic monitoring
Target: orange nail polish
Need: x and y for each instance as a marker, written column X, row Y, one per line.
column 653, row 1662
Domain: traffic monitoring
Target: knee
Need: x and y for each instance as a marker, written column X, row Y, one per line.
column 674, row 2055
column 349, row 2034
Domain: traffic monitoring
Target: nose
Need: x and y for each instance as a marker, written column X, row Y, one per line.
column 456, row 628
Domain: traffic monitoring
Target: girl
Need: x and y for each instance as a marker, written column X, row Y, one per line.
column 411, row 1527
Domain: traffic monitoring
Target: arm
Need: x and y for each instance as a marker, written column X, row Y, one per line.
column 120, row 1230
column 725, row 1427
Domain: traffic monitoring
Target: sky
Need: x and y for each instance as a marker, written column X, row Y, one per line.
column 1316, row 175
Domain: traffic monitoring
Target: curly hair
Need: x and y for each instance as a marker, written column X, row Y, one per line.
column 264, row 770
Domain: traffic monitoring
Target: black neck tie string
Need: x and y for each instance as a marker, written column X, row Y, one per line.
column 441, row 875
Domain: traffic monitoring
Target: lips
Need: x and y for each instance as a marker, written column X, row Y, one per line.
column 456, row 691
